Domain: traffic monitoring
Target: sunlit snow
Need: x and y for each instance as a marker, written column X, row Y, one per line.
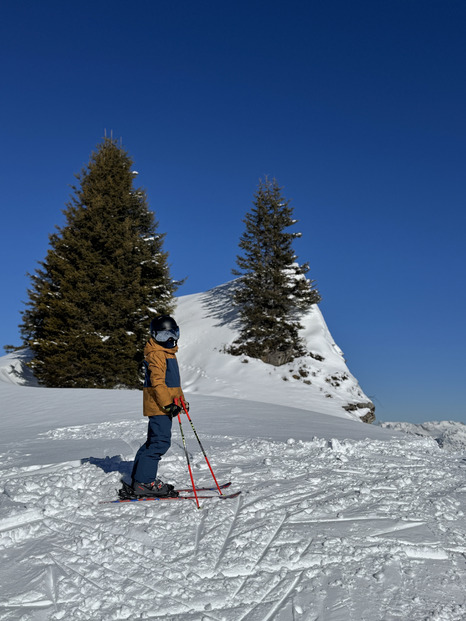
column 337, row 520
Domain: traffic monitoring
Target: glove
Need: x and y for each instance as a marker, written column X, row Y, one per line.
column 186, row 405
column 172, row 410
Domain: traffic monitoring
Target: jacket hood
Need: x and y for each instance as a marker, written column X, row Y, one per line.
column 152, row 345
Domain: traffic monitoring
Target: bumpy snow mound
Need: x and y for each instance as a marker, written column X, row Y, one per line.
column 14, row 369
column 448, row 434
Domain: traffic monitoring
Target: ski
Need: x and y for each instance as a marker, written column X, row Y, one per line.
column 166, row 498
column 130, row 498
column 205, row 489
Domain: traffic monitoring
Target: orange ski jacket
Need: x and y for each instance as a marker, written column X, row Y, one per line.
column 162, row 383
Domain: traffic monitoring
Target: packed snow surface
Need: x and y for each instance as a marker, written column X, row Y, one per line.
column 337, row 520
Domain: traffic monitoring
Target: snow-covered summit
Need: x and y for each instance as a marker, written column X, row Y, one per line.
column 319, row 381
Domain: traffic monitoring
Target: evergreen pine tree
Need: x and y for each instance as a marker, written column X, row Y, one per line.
column 272, row 288
column 104, row 275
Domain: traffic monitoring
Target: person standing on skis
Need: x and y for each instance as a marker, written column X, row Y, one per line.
column 161, row 387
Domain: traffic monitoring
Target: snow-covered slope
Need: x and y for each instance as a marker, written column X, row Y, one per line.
column 320, row 382
column 14, row 369
column 326, row 528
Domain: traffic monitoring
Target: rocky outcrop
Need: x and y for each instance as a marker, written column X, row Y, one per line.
column 364, row 409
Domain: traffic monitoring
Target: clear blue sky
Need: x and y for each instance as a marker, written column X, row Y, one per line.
column 357, row 108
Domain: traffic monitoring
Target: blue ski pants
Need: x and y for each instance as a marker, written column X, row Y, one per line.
column 157, row 444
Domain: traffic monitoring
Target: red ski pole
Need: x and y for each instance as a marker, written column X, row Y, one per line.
column 202, row 448
column 187, row 459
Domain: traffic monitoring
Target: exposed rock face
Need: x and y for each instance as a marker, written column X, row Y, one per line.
column 367, row 410
column 278, row 358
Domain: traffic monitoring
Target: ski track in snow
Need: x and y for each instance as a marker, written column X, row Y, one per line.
column 323, row 531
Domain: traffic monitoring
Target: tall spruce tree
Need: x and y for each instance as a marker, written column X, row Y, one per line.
column 104, row 275
column 273, row 287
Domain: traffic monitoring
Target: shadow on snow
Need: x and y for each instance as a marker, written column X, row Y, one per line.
column 111, row 464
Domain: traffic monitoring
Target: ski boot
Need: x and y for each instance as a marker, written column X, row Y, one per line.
column 157, row 488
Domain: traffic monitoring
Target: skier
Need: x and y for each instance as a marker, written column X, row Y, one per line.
column 161, row 388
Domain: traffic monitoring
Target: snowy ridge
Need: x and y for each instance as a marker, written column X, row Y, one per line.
column 450, row 435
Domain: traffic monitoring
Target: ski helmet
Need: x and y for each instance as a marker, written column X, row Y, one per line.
column 165, row 331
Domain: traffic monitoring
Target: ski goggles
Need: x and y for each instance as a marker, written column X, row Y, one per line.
column 166, row 335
